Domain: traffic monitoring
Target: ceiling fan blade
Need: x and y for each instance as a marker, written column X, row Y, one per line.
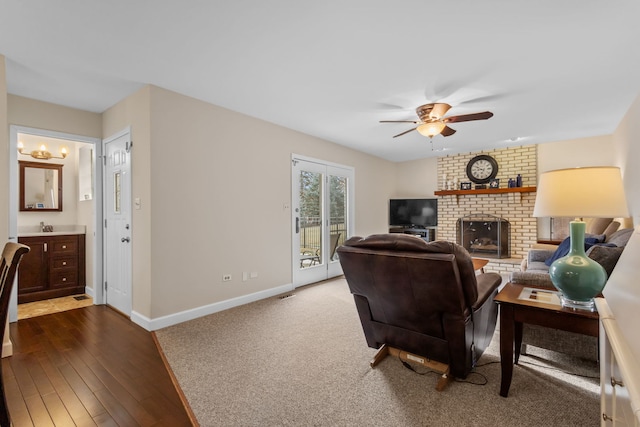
column 468, row 117
column 406, row 131
column 399, row 121
column 447, row 131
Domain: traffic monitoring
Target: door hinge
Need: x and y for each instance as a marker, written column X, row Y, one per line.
column 105, row 285
column 104, row 160
column 128, row 146
column 105, row 223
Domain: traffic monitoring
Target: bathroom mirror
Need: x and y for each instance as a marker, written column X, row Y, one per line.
column 40, row 186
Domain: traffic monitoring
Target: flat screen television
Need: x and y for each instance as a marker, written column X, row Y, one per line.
column 413, row 213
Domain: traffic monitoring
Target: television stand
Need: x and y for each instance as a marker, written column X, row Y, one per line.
column 426, row 233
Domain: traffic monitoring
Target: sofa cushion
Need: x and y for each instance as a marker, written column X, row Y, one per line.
column 620, row 237
column 606, row 256
column 599, row 225
column 565, row 246
column 612, row 228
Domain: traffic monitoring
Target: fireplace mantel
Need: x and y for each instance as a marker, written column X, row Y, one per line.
column 485, row 191
column 516, row 191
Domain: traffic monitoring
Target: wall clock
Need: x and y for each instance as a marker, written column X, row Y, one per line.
column 482, row 169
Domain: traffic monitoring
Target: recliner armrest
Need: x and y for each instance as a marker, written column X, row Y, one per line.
column 487, row 283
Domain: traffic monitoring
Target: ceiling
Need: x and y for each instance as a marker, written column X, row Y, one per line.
column 549, row 70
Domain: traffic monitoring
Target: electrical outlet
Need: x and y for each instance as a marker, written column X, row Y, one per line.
column 253, row 274
column 245, row 276
column 226, row 277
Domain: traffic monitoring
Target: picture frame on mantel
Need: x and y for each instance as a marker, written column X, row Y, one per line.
column 494, row 183
column 465, row 185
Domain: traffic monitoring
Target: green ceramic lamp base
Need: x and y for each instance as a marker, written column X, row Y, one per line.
column 578, row 278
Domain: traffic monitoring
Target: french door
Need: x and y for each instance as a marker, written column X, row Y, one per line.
column 322, row 217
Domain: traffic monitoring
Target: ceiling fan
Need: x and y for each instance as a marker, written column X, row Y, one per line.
column 432, row 122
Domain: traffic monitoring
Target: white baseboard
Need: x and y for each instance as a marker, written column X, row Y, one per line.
column 194, row 313
column 89, row 291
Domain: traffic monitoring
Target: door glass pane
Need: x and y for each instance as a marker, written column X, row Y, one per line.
column 310, row 219
column 337, row 214
column 116, row 192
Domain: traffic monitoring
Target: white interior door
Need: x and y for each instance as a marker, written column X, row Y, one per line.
column 117, row 231
column 322, row 219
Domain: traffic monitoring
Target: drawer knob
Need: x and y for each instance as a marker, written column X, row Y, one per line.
column 64, row 279
column 64, row 262
column 64, row 246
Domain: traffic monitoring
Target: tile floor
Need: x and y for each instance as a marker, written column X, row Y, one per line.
column 56, row 305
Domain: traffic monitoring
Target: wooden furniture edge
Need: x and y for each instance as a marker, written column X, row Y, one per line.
column 485, row 191
column 174, row 380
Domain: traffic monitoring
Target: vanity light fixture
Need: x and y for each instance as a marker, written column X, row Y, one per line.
column 42, row 153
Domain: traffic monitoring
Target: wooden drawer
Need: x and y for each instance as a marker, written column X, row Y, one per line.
column 60, row 246
column 63, row 279
column 64, row 263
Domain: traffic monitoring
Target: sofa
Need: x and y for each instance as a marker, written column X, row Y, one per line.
column 535, row 272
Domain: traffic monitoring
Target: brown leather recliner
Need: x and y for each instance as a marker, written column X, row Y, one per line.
column 423, row 298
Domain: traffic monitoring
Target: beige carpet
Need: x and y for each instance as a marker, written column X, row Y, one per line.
column 303, row 361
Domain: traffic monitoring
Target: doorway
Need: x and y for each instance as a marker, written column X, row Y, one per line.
column 78, row 209
column 322, row 217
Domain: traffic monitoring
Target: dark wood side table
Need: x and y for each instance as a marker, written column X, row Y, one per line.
column 479, row 263
column 514, row 312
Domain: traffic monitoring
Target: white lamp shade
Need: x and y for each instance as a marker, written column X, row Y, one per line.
column 591, row 192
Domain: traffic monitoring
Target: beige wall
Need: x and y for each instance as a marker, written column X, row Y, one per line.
column 203, row 170
column 4, row 152
column 217, row 182
column 44, row 115
column 135, row 111
column 417, row 178
column 626, row 139
column 594, row 151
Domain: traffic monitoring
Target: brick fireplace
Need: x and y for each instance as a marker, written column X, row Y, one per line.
column 514, row 207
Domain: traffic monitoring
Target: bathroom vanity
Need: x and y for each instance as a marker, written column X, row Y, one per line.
column 55, row 266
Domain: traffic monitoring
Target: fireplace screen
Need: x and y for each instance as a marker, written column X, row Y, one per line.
column 484, row 235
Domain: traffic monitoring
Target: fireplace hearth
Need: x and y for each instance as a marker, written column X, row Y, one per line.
column 484, row 235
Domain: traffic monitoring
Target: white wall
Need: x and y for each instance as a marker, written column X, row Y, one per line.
column 626, row 139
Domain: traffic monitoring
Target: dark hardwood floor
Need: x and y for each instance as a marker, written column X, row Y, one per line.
column 88, row 367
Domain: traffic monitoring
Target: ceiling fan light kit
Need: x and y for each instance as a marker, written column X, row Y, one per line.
column 431, row 129
column 432, row 121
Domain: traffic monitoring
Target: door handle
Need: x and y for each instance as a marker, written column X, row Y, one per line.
column 297, row 225
column 125, row 239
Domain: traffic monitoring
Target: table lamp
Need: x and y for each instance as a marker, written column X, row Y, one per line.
column 589, row 192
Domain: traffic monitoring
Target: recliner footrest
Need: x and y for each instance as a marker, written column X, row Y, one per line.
column 439, row 367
